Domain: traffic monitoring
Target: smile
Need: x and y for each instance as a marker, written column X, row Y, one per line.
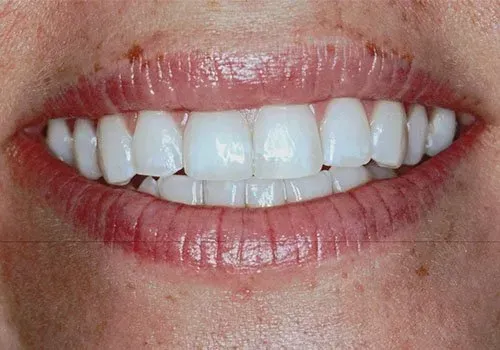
column 177, row 168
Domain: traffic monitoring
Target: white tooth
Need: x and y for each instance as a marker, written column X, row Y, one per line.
column 345, row 133
column 181, row 189
column 157, row 144
column 417, row 134
column 114, row 145
column 304, row 188
column 379, row 173
column 264, row 193
column 345, row 179
column 217, row 146
column 59, row 140
column 149, row 186
column 86, row 149
column 225, row 193
column 286, row 142
column 442, row 127
column 388, row 129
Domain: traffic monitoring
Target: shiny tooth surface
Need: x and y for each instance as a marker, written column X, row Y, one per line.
column 85, row 149
column 60, row 140
column 286, row 142
column 344, row 179
column 149, row 186
column 217, row 146
column 380, row 173
column 345, row 133
column 181, row 189
column 388, row 133
column 264, row 192
column 442, row 127
column 225, row 193
column 305, row 188
column 157, row 144
column 417, row 134
column 114, row 144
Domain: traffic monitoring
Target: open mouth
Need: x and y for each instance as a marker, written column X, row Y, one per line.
column 270, row 178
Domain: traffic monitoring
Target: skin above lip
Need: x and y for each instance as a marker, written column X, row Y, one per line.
column 241, row 239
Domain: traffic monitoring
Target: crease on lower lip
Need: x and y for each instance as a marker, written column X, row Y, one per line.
column 236, row 239
column 217, row 80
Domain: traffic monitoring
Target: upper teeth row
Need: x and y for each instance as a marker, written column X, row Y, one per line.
column 282, row 142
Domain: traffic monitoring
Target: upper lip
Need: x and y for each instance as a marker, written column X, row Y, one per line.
column 242, row 79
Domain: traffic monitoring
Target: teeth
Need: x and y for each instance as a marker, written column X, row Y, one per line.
column 286, row 143
column 149, row 186
column 157, row 144
column 217, row 146
column 304, row 188
column 345, row 179
column 442, row 127
column 255, row 158
column 388, row 131
column 59, row 140
column 417, row 134
column 264, row 193
column 226, row 193
column 181, row 189
column 345, row 133
column 115, row 150
column 86, row 149
column 379, row 173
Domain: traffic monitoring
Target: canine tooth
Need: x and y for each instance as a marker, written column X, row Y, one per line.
column 380, row 173
column 442, row 127
column 59, row 140
column 286, row 142
column 417, row 134
column 181, row 189
column 345, row 133
column 114, row 144
column 225, row 193
column 217, row 146
column 157, row 144
column 149, row 186
column 388, row 131
column 85, row 149
column 264, row 193
column 345, row 179
column 304, row 188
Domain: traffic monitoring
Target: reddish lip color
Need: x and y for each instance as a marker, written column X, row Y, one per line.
column 237, row 80
column 241, row 239
column 235, row 239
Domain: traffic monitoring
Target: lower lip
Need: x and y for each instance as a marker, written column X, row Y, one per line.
column 235, row 239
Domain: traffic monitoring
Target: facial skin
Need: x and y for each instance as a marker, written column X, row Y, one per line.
column 444, row 293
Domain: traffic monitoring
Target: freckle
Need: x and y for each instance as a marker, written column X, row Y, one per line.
column 134, row 53
column 97, row 67
column 422, row 271
column 170, row 298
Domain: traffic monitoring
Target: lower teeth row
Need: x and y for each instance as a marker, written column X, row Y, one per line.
column 255, row 193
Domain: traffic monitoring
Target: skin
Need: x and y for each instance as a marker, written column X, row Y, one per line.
column 438, row 294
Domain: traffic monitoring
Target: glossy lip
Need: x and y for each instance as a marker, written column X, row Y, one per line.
column 216, row 80
column 241, row 239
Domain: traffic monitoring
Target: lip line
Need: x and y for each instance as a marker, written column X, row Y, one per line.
column 213, row 80
column 236, row 240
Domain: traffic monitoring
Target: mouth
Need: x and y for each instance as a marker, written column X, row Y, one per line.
column 244, row 161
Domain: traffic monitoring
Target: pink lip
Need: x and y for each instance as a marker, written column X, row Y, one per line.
column 236, row 80
column 241, row 239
